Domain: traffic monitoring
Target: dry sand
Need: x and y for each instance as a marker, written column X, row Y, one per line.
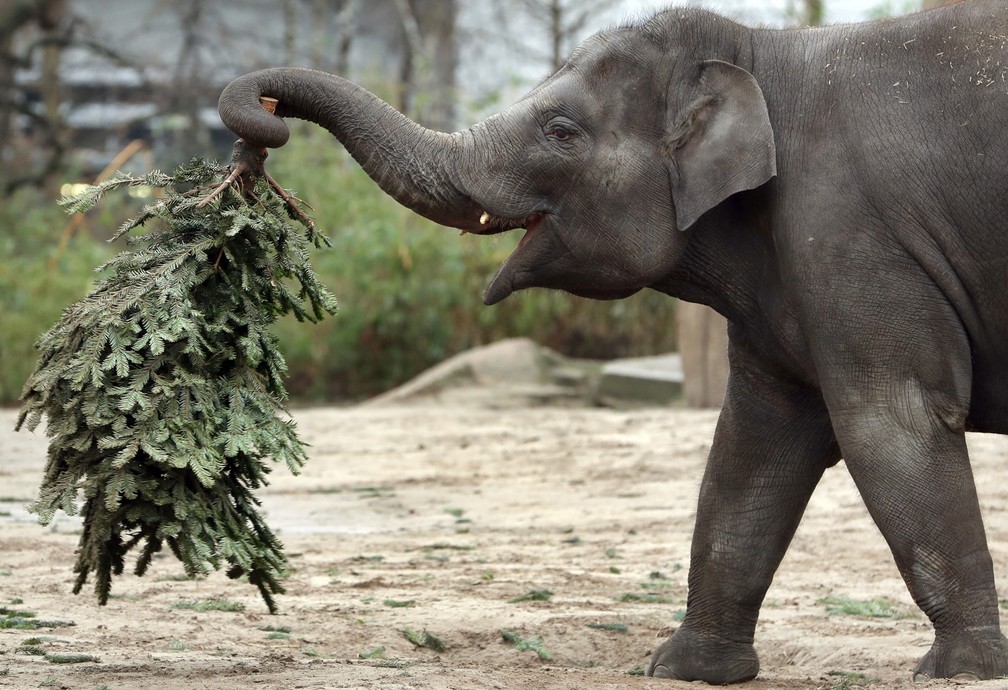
column 453, row 511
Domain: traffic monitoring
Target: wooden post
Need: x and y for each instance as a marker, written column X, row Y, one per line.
column 703, row 346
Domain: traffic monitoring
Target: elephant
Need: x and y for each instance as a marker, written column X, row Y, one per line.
column 839, row 194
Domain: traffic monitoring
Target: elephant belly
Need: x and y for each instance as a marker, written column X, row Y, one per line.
column 989, row 404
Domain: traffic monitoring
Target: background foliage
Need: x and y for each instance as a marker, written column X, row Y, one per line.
column 410, row 292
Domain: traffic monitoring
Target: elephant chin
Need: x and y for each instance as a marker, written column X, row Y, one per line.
column 540, row 260
column 503, row 283
column 535, row 250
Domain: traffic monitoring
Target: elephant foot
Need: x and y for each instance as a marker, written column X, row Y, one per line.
column 687, row 655
column 965, row 658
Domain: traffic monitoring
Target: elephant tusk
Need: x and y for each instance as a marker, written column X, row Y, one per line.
column 485, row 218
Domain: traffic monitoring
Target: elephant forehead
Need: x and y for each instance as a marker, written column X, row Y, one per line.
column 615, row 55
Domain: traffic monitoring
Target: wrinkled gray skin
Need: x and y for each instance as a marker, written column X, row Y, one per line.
column 839, row 194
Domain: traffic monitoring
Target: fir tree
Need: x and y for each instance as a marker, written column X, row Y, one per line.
column 163, row 389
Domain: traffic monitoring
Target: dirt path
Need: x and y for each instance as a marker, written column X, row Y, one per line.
column 437, row 518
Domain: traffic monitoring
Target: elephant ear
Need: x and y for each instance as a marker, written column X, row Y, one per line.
column 721, row 143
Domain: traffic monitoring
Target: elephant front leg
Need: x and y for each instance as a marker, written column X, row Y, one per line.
column 773, row 443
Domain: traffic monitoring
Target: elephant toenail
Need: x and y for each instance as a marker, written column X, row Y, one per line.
column 921, row 678
column 661, row 671
column 966, row 676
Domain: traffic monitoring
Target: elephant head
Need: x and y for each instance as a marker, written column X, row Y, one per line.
column 639, row 134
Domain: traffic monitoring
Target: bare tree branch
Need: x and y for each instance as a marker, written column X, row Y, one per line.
column 564, row 22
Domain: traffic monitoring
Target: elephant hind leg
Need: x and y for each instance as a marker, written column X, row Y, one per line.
column 913, row 471
column 965, row 657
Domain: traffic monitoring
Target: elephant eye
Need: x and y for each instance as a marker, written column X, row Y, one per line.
column 559, row 132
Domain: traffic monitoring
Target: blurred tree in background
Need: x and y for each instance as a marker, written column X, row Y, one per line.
column 565, row 22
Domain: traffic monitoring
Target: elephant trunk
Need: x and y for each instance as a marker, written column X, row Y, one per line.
column 414, row 165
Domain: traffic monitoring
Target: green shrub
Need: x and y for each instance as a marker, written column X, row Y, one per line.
column 38, row 278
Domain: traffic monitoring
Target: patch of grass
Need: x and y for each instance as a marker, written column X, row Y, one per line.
column 326, row 490
column 71, row 659
column 33, row 647
column 392, row 663
column 534, row 644
column 455, row 512
column 309, row 652
column 16, row 601
column 376, row 653
column 276, row 628
column 611, row 553
column 5, row 513
column 425, row 639
column 610, row 627
column 396, row 604
column 639, row 671
column 276, row 632
column 614, row 570
column 573, row 541
column 865, row 608
column 850, row 680
column 49, row 683
column 368, row 559
column 366, row 492
column 215, row 604
column 646, row 597
column 13, row 619
column 442, row 546
column 178, row 646
column 4, row 611
column 534, row 595
column 679, row 616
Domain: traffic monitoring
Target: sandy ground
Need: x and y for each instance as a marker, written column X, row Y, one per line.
column 436, row 517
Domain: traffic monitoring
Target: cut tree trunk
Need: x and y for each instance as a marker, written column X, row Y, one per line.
column 703, row 346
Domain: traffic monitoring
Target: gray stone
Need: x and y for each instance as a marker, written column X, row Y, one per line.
column 653, row 380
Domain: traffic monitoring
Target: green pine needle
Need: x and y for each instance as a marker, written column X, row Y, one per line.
column 163, row 388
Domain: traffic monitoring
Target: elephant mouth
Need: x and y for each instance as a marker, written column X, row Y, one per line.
column 494, row 225
column 517, row 269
